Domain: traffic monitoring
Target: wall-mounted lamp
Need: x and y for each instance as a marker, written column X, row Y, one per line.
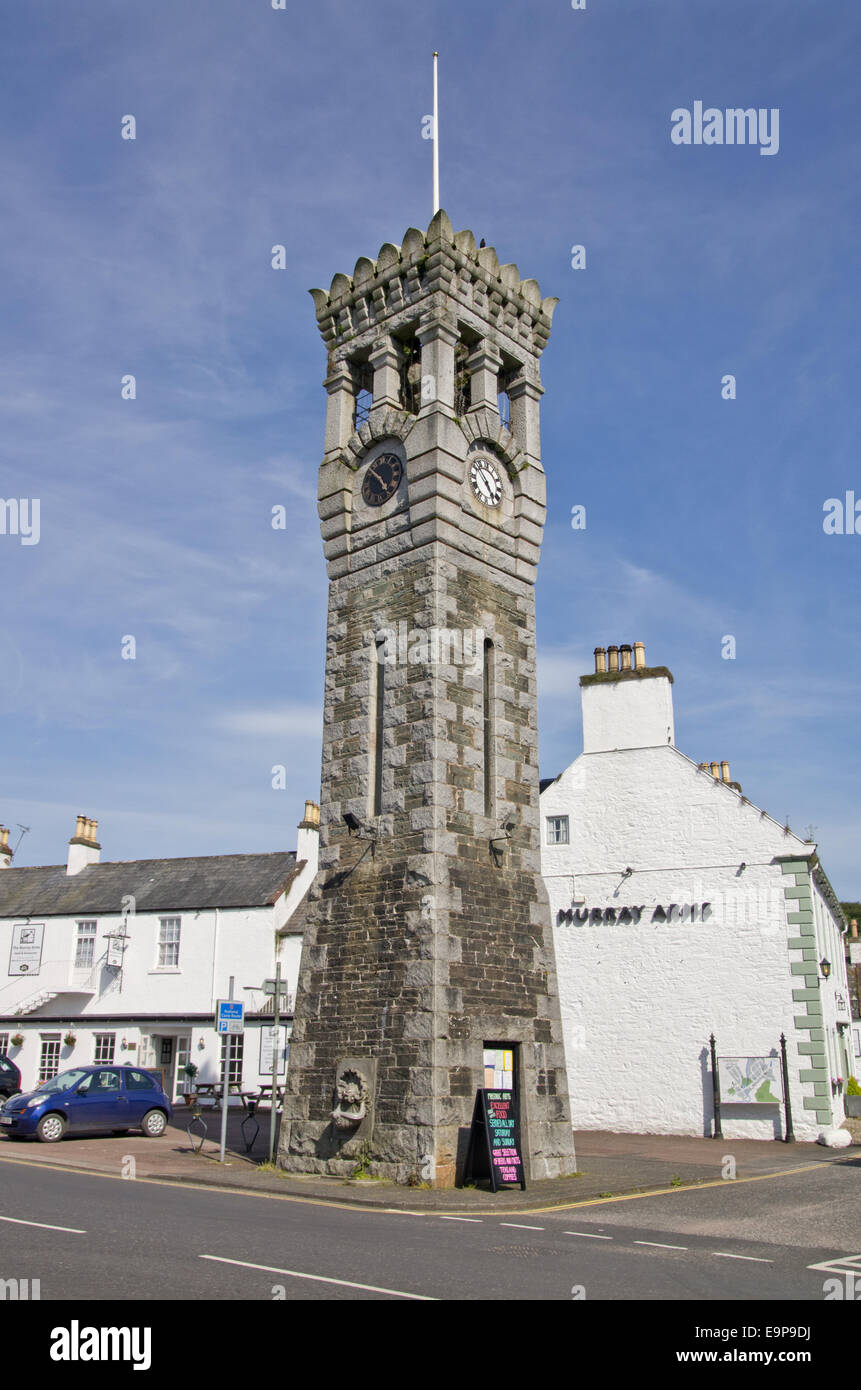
column 357, row 827
column 123, row 1045
column 825, row 967
column 200, row 1044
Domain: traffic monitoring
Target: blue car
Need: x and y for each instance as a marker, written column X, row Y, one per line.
column 85, row 1100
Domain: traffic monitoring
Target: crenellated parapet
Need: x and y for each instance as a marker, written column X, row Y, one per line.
column 390, row 293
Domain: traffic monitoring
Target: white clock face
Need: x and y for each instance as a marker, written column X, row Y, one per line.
column 486, row 482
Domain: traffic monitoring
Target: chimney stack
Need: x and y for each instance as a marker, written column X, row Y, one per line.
column 5, row 852
column 308, row 839
column 84, row 848
column 632, row 708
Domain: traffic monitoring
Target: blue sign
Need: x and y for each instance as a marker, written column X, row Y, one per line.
column 229, row 1016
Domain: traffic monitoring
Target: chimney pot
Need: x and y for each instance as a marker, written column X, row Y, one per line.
column 639, row 656
column 84, row 848
column 625, row 650
column 613, row 658
column 600, row 661
column 311, row 819
column 715, row 771
column 724, row 771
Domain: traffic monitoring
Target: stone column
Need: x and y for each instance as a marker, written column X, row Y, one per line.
column 525, row 392
column 483, row 366
column 340, row 406
column 385, row 359
column 438, row 337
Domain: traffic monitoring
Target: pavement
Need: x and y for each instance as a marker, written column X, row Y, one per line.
column 609, row 1166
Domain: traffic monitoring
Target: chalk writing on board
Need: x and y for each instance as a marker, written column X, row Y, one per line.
column 494, row 1141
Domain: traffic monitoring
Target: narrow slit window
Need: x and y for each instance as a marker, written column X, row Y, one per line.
column 379, row 704
column 487, row 708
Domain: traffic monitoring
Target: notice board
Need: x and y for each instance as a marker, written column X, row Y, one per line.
column 494, row 1140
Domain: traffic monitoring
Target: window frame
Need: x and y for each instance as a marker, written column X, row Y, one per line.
column 99, row 1039
column 168, row 947
column 560, row 821
column 85, row 938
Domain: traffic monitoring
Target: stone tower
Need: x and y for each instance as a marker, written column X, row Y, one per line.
column 428, row 940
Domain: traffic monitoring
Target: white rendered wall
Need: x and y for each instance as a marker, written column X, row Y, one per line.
column 639, row 1001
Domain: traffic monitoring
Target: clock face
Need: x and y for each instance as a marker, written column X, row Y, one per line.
column 381, row 479
column 486, row 482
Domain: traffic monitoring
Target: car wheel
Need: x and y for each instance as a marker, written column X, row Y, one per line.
column 50, row 1129
column 154, row 1123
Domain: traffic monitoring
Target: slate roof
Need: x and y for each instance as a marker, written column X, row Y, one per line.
column 157, row 885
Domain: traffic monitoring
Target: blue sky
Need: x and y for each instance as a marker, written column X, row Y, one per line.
column 303, row 127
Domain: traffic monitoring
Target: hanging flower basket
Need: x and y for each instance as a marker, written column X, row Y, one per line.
column 70, row 1039
column 16, row 1040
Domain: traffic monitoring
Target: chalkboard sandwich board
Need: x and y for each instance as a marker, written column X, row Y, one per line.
column 494, row 1140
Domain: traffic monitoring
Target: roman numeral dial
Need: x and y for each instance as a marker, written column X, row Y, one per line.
column 486, row 482
column 381, row 480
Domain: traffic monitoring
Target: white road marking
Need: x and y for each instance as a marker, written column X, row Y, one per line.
column 840, row 1264
column 460, row 1218
column 517, row 1225
column 659, row 1245
column 43, row 1225
column 320, row 1278
column 757, row 1259
column 588, row 1235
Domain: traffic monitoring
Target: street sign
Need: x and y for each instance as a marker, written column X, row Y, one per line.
column 229, row 1016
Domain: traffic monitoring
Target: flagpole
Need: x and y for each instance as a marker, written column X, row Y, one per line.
column 435, row 139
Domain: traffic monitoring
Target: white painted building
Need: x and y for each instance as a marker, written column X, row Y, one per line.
column 124, row 962
column 680, row 910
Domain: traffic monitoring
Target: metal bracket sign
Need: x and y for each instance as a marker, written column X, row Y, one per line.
column 229, row 1016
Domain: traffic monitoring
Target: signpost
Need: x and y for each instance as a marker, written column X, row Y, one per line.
column 494, row 1140
column 275, row 1051
column 229, row 1019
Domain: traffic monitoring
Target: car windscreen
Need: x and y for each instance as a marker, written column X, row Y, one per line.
column 6, row 1065
column 64, row 1081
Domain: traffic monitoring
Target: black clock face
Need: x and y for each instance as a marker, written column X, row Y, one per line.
column 381, row 479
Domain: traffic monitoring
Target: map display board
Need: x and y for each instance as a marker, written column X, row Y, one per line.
column 494, row 1140
column 750, row 1080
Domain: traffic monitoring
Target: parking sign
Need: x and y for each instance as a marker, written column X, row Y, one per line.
column 229, row 1016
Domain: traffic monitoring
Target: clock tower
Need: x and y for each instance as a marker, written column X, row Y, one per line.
column 427, row 965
